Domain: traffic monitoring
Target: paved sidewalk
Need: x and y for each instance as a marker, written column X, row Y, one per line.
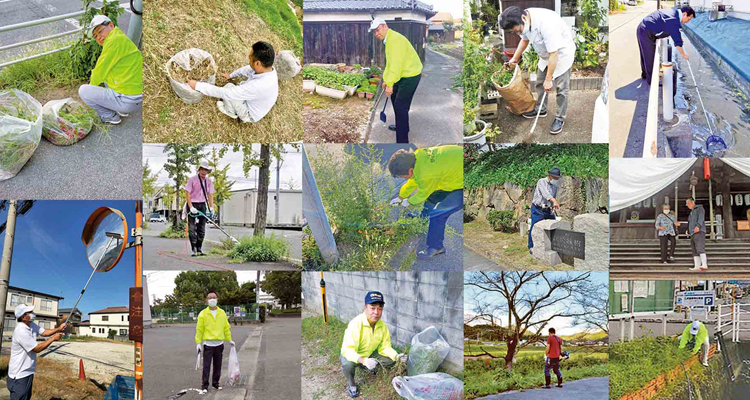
column 436, row 114
column 628, row 92
column 582, row 389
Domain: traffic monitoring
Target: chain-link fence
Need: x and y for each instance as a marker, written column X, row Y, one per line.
column 235, row 314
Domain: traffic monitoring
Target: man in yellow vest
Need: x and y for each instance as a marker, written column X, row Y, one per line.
column 403, row 70
column 435, row 177
column 210, row 334
column 119, row 68
column 367, row 342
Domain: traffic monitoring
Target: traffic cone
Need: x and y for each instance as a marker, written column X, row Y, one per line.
column 81, row 372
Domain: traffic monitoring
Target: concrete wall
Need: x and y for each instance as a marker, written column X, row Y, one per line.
column 329, row 16
column 413, row 302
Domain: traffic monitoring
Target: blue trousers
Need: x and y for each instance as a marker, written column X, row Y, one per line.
column 553, row 364
column 438, row 207
column 537, row 214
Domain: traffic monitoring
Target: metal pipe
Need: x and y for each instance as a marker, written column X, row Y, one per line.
column 42, row 39
column 42, row 21
column 35, row 56
column 136, row 22
column 667, row 98
column 10, row 234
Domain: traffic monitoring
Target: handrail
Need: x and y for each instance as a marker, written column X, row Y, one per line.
column 41, row 39
column 650, row 148
column 42, row 21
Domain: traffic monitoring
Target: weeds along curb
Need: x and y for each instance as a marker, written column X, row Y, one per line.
column 649, row 390
column 374, row 111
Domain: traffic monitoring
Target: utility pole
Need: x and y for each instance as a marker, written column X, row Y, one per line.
column 10, row 233
column 257, row 292
column 278, row 192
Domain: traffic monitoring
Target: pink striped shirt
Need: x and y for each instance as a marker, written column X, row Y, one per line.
column 193, row 187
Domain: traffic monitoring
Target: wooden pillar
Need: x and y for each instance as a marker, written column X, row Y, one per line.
column 726, row 206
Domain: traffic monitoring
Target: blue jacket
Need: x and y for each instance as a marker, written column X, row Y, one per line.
column 665, row 22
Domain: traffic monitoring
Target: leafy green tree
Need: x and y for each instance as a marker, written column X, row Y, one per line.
column 181, row 159
column 285, row 286
column 448, row 25
column 149, row 181
column 222, row 184
column 86, row 50
column 192, row 287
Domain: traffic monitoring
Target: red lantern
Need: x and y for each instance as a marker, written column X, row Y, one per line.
column 706, row 169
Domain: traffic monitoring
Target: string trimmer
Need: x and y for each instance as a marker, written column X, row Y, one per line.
column 215, row 224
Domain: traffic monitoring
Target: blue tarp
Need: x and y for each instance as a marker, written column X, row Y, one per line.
column 122, row 388
column 727, row 37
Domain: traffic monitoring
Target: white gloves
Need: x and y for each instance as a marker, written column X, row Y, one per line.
column 193, row 210
column 198, row 348
column 402, row 357
column 395, row 202
column 405, row 203
column 231, row 342
column 370, row 363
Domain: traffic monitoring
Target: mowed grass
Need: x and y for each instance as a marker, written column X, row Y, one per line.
column 226, row 29
column 576, row 352
column 54, row 380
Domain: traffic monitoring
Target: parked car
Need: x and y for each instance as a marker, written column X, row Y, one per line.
column 156, row 217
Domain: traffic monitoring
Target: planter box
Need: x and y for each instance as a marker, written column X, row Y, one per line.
column 361, row 95
column 308, row 86
column 478, row 138
column 369, row 95
column 336, row 94
column 351, row 89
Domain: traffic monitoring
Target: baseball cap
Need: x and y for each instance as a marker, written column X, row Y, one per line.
column 23, row 309
column 98, row 20
column 376, row 23
column 204, row 165
column 695, row 327
column 374, row 297
column 554, row 171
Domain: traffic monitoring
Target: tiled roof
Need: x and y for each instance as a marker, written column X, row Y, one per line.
column 111, row 310
column 366, row 5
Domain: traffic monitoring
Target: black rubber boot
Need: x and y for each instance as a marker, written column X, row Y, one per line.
column 547, row 380
column 559, row 381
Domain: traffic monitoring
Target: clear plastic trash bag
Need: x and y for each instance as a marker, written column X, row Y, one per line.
column 427, row 352
column 60, row 131
column 434, row 386
column 183, row 61
column 20, row 130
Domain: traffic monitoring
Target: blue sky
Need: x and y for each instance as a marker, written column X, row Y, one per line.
column 564, row 326
column 49, row 256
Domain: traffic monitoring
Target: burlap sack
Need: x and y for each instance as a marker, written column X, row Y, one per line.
column 517, row 93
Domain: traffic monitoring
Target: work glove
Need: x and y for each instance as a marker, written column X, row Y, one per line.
column 405, row 203
column 402, row 357
column 198, row 348
column 370, row 363
column 232, row 343
column 395, row 202
column 193, row 210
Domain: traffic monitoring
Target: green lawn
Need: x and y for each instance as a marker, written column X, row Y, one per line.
column 576, row 352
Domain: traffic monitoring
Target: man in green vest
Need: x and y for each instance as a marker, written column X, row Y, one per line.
column 403, row 70
column 119, row 68
column 696, row 331
column 210, row 334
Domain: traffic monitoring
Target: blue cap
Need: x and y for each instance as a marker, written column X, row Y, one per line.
column 374, row 297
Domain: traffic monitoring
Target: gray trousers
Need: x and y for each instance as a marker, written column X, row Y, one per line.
column 20, row 389
column 349, row 367
column 237, row 109
column 562, row 85
column 698, row 243
column 108, row 103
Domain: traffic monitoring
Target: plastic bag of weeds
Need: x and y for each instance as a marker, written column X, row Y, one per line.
column 234, row 368
column 190, row 64
column 20, row 130
column 434, row 386
column 287, row 65
column 66, row 121
column 517, row 93
column 427, row 352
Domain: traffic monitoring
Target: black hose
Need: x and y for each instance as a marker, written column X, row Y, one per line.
column 132, row 8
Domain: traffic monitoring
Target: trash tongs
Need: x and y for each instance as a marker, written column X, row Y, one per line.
column 198, row 361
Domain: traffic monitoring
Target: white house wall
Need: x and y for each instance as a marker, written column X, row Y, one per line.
column 362, row 16
column 741, row 7
column 240, row 208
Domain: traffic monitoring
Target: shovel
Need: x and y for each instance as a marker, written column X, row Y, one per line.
column 382, row 113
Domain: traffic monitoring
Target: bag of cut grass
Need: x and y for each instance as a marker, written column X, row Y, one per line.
column 434, row 386
column 428, row 350
column 66, row 121
column 515, row 89
column 20, row 130
column 287, row 65
column 190, row 64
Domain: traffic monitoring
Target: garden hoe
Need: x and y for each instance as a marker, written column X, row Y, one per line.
column 217, row 226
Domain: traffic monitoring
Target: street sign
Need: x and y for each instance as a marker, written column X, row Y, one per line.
column 569, row 242
column 136, row 314
column 695, row 298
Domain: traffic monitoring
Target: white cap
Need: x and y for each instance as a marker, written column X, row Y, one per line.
column 98, row 20
column 23, row 309
column 376, row 23
column 695, row 327
column 204, row 165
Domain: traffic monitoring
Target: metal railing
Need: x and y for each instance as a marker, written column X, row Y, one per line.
column 235, row 314
column 650, row 147
column 736, row 316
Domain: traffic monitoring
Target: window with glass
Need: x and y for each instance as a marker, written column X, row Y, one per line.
column 105, row 317
column 123, row 332
column 46, row 305
column 568, row 8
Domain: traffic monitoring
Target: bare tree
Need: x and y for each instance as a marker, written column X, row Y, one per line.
column 531, row 301
column 594, row 301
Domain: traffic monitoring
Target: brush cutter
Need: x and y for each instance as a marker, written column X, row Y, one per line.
column 200, row 214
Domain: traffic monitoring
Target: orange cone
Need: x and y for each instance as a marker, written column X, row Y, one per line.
column 81, row 372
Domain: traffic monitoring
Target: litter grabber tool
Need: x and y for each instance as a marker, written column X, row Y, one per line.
column 217, row 226
column 713, row 139
column 544, row 96
column 111, row 237
column 198, row 361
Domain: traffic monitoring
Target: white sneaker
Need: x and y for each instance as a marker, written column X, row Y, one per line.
column 705, row 364
column 697, row 269
column 202, row 391
column 223, row 110
column 123, row 114
column 219, row 388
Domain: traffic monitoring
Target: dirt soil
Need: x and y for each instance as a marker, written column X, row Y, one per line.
column 102, row 361
column 317, row 378
column 330, row 120
column 226, row 32
column 54, row 380
column 589, row 73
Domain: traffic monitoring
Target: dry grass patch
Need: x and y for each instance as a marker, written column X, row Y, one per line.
column 54, row 380
column 330, row 120
column 227, row 31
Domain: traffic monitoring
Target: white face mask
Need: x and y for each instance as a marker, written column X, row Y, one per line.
column 212, row 302
column 666, row 211
column 32, row 317
column 526, row 27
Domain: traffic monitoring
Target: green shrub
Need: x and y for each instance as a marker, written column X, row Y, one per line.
column 170, row 233
column 262, row 313
column 311, row 257
column 260, row 249
column 501, row 220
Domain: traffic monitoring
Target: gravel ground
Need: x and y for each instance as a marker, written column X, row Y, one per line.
column 102, row 361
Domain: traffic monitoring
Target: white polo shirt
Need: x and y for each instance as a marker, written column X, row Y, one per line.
column 259, row 91
column 549, row 33
column 22, row 359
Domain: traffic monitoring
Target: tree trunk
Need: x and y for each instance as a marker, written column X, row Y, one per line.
column 509, row 355
column 261, row 209
column 176, row 215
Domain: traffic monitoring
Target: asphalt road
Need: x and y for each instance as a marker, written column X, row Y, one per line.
column 436, row 114
column 18, row 11
column 101, row 166
column 628, row 92
column 282, row 370
column 169, row 360
column 582, row 389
